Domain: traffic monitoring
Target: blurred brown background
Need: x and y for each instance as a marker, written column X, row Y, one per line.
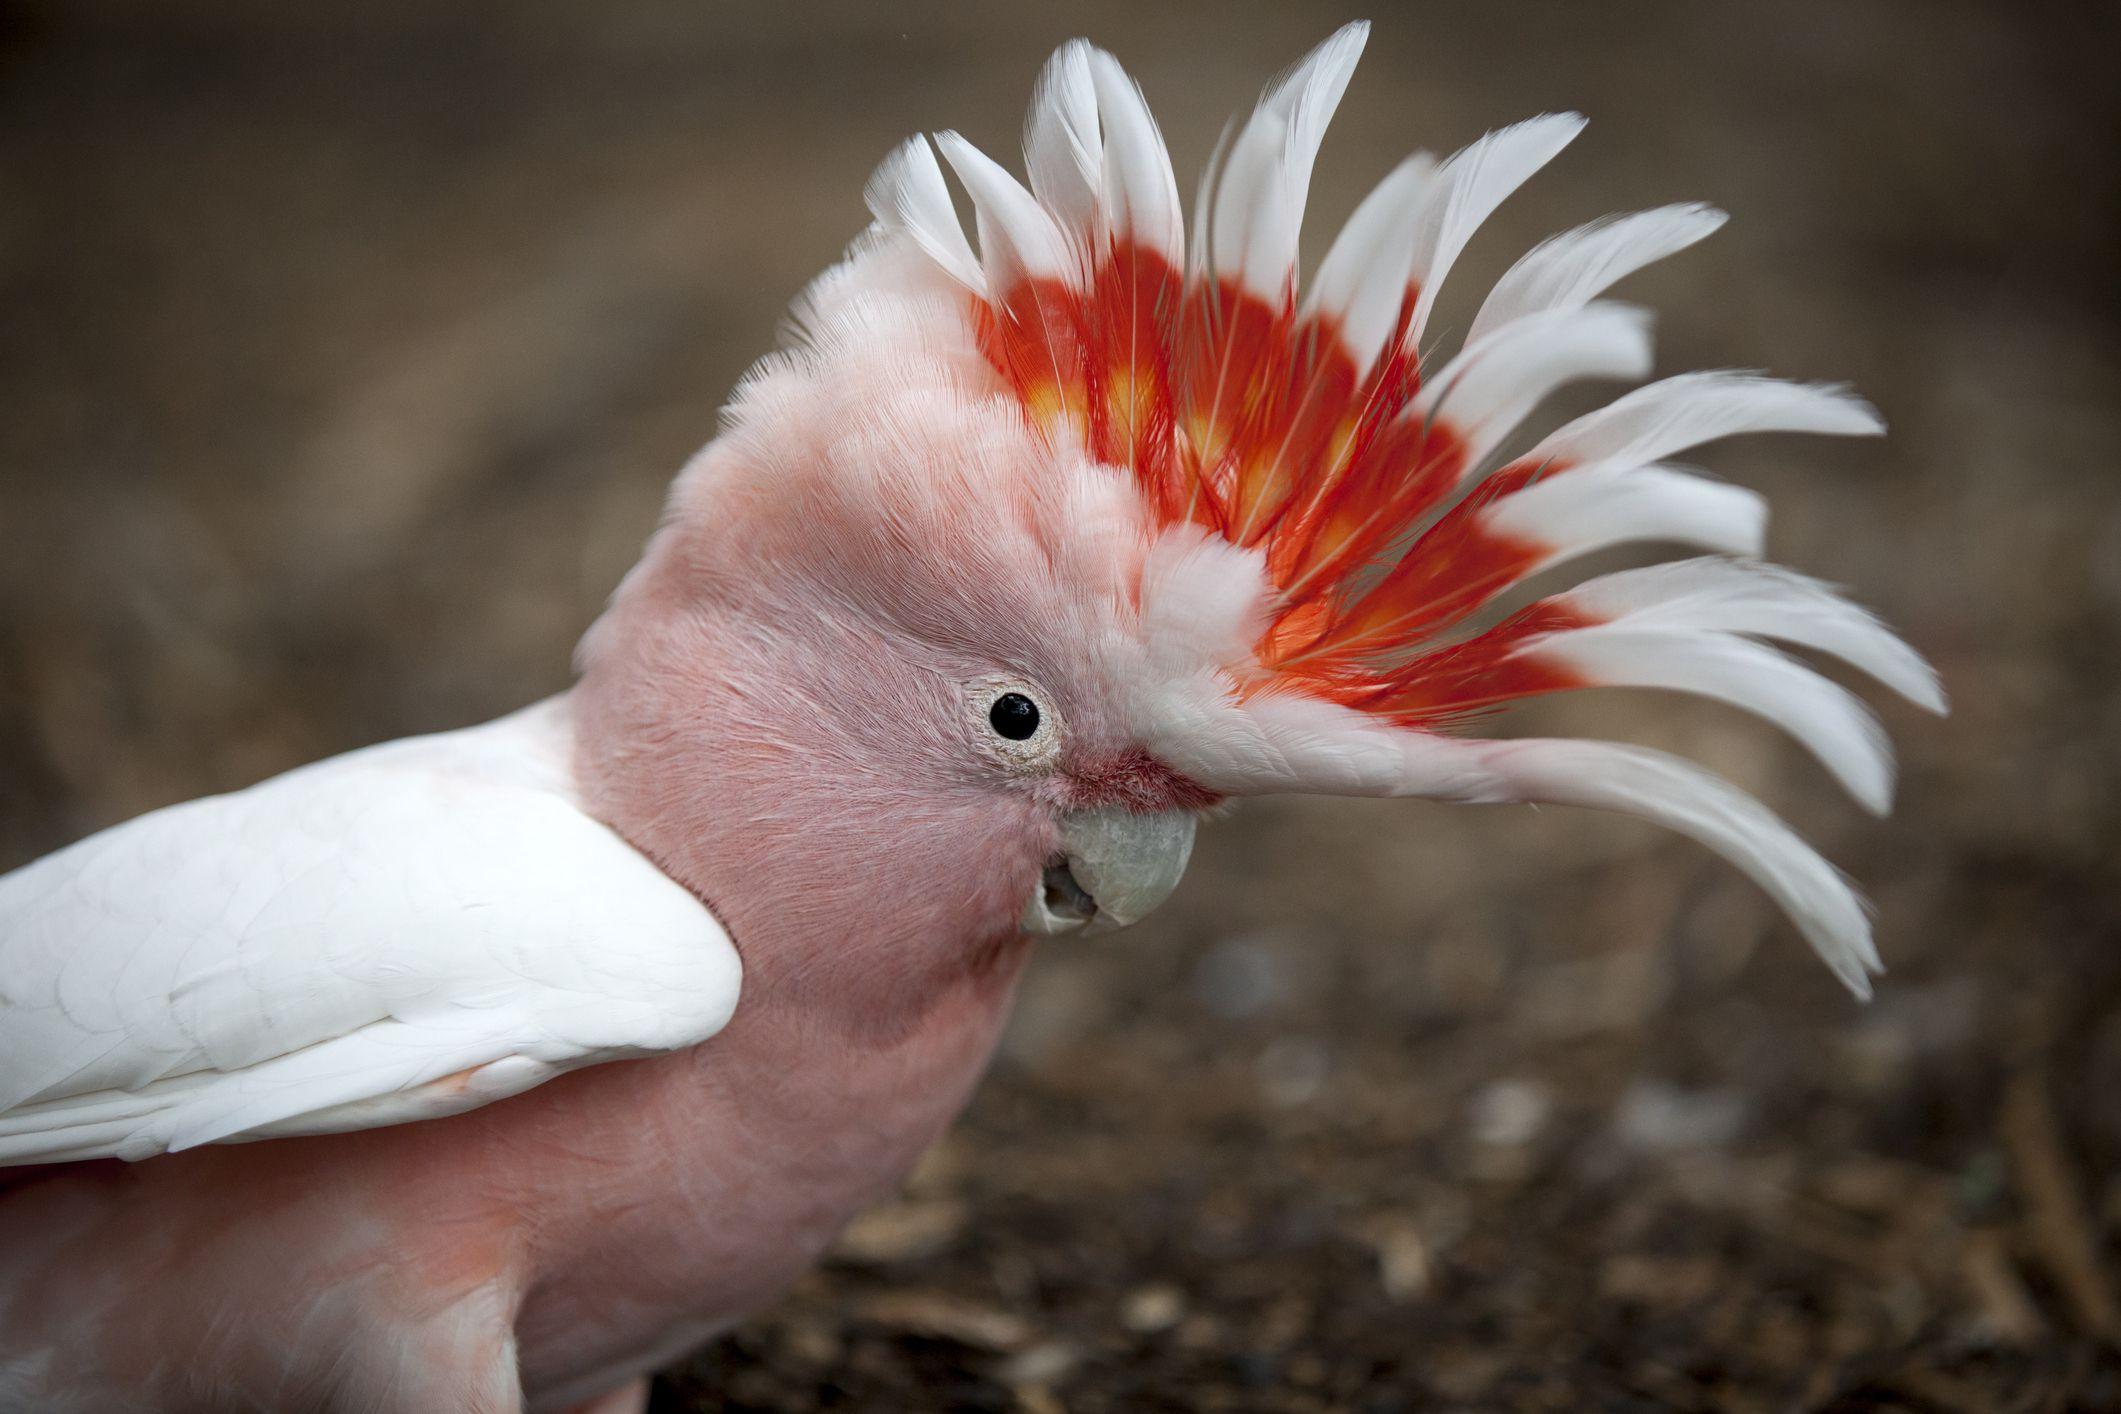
column 349, row 348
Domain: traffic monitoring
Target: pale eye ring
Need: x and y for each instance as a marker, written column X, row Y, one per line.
column 1013, row 723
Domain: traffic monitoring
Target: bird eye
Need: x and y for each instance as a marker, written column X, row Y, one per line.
column 1013, row 724
column 1013, row 716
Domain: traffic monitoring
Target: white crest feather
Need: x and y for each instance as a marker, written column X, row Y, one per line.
column 1763, row 601
column 1141, row 193
column 1653, row 422
column 1828, row 719
column 1287, row 743
column 907, row 195
column 1466, row 192
column 1596, row 507
column 1687, row 800
column 1017, row 238
column 1260, row 192
column 1574, row 268
column 1362, row 282
column 1063, row 149
column 1494, row 384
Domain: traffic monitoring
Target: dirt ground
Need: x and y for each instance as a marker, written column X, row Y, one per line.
column 349, row 348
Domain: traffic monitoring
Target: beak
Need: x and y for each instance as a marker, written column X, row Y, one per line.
column 1114, row 868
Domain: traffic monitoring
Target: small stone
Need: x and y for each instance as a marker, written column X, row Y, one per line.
column 900, row 1232
column 940, row 1170
column 1240, row 977
column 1039, row 1365
column 1510, row 1113
column 944, row 1317
column 1465, row 1374
column 1660, row 1116
column 1147, row 1310
column 1648, row 1280
column 1199, row 1333
column 1037, row 1399
column 1282, row 1324
column 1404, row 1269
column 812, row 1345
column 1292, row 1069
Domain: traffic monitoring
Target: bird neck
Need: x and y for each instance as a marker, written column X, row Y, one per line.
column 840, row 910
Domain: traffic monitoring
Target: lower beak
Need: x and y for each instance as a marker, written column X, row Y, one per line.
column 1113, row 869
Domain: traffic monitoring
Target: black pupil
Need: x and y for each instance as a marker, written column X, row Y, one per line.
column 1014, row 716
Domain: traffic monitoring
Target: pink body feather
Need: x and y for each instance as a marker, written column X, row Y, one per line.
column 589, row 1230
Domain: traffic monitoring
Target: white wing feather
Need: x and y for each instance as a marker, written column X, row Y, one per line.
column 402, row 932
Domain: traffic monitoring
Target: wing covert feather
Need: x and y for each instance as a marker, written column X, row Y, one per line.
column 402, row 932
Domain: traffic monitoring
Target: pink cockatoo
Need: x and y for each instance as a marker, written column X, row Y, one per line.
column 569, row 1039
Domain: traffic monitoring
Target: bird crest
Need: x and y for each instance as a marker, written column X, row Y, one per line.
column 1310, row 425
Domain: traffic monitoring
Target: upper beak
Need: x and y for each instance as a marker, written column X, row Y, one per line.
column 1114, row 868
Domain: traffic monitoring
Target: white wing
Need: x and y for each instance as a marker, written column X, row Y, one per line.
column 403, row 932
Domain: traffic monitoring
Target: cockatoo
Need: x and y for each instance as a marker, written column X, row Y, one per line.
column 571, row 1038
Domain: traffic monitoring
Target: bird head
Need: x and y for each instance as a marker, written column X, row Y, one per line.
column 1018, row 557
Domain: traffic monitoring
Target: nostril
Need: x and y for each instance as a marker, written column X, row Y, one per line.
column 1064, row 897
